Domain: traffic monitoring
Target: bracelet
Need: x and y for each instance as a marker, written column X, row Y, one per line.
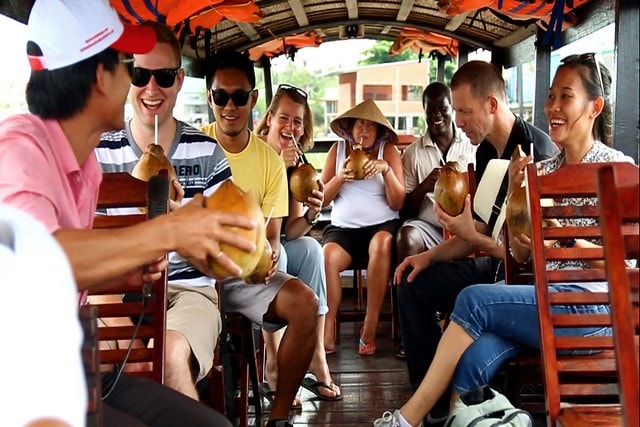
column 308, row 220
column 386, row 171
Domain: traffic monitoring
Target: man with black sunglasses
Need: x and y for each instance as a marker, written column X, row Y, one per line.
column 256, row 167
column 193, row 319
column 78, row 52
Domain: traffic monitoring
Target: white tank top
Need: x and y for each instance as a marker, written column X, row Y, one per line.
column 363, row 202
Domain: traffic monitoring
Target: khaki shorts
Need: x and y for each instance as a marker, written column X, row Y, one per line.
column 431, row 235
column 193, row 311
column 253, row 301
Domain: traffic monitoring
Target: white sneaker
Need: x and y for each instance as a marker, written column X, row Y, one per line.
column 388, row 419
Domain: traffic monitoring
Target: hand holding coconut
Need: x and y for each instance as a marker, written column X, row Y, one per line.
column 461, row 225
column 431, row 179
column 374, row 167
column 266, row 267
column 200, row 235
column 234, row 259
column 315, row 201
column 453, row 202
column 451, row 189
column 304, row 180
column 517, row 209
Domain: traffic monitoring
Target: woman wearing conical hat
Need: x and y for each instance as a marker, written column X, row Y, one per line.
column 365, row 213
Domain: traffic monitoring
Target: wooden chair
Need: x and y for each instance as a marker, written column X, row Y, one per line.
column 91, row 362
column 577, row 388
column 121, row 190
column 620, row 216
column 357, row 314
column 522, row 374
column 247, row 356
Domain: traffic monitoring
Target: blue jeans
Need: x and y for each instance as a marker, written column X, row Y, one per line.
column 302, row 258
column 503, row 320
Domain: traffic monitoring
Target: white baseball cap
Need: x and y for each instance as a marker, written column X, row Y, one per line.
column 69, row 31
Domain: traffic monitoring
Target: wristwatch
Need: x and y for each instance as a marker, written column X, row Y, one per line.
column 308, row 220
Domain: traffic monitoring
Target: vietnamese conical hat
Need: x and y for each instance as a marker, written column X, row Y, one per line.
column 366, row 110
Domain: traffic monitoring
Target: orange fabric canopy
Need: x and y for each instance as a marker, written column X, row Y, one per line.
column 411, row 38
column 517, row 9
column 552, row 15
column 200, row 13
column 276, row 47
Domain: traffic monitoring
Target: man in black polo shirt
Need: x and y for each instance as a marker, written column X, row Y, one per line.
column 431, row 281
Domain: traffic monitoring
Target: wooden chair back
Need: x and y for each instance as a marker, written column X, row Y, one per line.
column 620, row 218
column 91, row 362
column 121, row 190
column 573, row 188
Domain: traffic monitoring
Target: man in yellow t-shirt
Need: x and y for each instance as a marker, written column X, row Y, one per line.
column 283, row 300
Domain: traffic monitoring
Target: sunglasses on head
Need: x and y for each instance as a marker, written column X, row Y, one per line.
column 297, row 90
column 221, row 97
column 165, row 77
column 586, row 59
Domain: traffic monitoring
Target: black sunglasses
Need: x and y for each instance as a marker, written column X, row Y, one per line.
column 586, row 59
column 165, row 77
column 221, row 98
column 128, row 62
column 297, row 90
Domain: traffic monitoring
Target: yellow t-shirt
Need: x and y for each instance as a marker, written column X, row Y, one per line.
column 259, row 169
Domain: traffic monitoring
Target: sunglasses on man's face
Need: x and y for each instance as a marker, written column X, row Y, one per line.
column 221, row 97
column 165, row 77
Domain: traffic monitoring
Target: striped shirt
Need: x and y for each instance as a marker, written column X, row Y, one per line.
column 200, row 166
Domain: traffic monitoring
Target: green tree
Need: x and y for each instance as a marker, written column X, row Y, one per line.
column 379, row 54
column 297, row 74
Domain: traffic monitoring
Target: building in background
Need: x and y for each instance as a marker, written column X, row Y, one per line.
column 395, row 87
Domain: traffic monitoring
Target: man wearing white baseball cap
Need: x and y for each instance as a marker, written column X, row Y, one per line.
column 66, row 32
column 81, row 61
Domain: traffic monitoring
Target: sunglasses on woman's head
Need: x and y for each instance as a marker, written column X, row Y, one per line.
column 221, row 97
column 297, row 90
column 165, row 77
column 586, row 59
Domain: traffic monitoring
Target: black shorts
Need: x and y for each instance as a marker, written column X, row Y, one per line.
column 355, row 241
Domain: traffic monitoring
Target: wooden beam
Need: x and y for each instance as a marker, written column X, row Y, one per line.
column 405, row 10
column 456, row 21
column 463, row 54
column 543, row 82
column 352, row 8
column 266, row 70
column 249, row 31
column 473, row 43
column 626, row 101
column 517, row 36
column 299, row 13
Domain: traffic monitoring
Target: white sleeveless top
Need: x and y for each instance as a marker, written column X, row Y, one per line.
column 363, row 202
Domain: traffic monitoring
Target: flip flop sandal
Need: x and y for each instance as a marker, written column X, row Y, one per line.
column 314, row 387
column 266, row 392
